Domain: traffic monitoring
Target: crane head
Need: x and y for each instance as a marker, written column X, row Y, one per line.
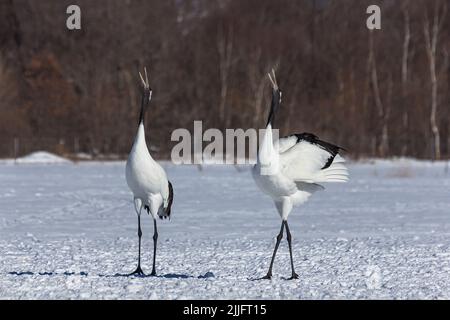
column 276, row 92
column 146, row 85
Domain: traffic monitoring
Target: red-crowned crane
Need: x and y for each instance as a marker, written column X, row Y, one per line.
column 147, row 180
column 292, row 168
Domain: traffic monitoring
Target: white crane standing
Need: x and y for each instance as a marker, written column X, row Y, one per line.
column 147, row 180
column 291, row 169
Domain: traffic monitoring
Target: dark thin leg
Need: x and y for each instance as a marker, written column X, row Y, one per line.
column 279, row 237
column 138, row 270
column 289, row 239
column 155, row 241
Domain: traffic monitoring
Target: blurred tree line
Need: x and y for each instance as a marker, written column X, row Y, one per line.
column 377, row 93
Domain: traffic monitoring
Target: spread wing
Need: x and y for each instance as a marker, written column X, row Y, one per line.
column 304, row 157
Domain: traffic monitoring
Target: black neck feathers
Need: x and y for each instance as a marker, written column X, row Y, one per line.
column 276, row 100
column 144, row 104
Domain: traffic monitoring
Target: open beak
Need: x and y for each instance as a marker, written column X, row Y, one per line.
column 273, row 80
column 145, row 83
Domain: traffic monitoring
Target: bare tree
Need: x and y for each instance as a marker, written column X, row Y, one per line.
column 6, row 86
column 405, row 75
column 431, row 32
column 225, row 49
column 257, row 84
column 81, row 86
column 382, row 109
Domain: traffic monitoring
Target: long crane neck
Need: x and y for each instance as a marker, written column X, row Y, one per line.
column 146, row 96
column 276, row 99
column 267, row 152
column 140, row 145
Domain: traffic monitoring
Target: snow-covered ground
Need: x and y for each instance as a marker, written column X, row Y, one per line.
column 69, row 231
column 41, row 157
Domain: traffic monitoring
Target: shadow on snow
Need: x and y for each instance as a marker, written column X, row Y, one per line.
column 117, row 275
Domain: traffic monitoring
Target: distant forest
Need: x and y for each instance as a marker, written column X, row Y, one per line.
column 377, row 93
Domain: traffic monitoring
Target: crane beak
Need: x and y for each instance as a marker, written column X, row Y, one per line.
column 273, row 80
column 275, row 87
column 146, row 84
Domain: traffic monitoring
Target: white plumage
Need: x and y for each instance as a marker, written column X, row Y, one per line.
column 147, row 180
column 291, row 169
column 304, row 161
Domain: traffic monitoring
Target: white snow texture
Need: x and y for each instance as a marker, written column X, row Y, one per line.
column 69, row 231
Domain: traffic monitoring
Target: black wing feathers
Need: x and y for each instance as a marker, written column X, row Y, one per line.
column 330, row 148
column 169, row 205
column 167, row 210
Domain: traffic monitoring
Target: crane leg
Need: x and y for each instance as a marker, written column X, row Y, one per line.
column 138, row 271
column 155, row 241
column 289, row 239
column 279, row 237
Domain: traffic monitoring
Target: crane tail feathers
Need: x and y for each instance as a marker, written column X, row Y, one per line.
column 337, row 172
